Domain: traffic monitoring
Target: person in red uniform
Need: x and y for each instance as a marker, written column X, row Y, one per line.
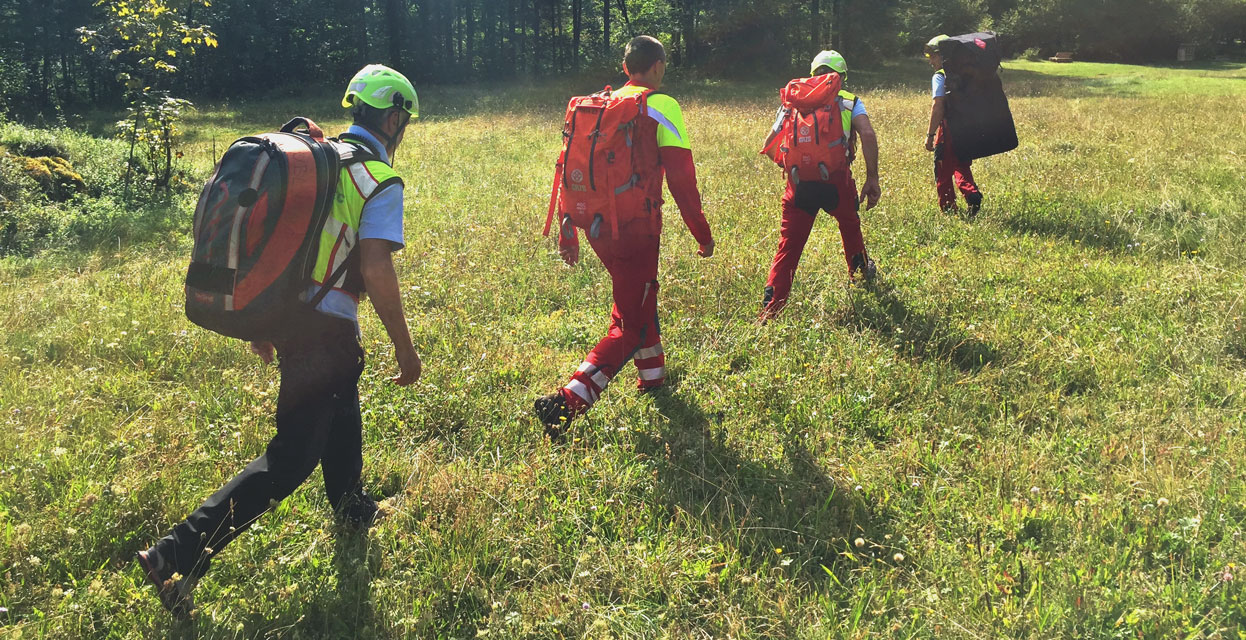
column 837, row 196
column 952, row 172
column 631, row 257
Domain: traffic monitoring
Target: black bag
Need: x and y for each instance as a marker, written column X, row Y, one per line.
column 978, row 118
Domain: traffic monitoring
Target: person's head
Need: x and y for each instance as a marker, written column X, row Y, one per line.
column 828, row 61
column 644, row 61
column 933, row 53
column 382, row 101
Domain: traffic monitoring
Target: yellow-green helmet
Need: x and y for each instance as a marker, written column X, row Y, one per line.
column 932, row 47
column 376, row 85
column 829, row 58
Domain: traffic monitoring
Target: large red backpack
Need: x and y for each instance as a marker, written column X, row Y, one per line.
column 811, row 145
column 609, row 158
column 257, row 230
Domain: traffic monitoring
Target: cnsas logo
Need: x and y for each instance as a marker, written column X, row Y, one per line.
column 577, row 175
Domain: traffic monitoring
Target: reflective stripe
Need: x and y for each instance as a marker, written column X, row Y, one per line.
column 261, row 166
column 364, row 182
column 582, row 390
column 650, row 352
column 599, row 378
column 656, row 373
column 661, row 119
column 344, row 240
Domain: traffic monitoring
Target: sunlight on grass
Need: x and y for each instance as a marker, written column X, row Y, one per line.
column 1031, row 427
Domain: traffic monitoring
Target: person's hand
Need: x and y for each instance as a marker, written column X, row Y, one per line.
column 263, row 349
column 706, row 250
column 409, row 366
column 930, row 143
column 870, row 193
column 570, row 254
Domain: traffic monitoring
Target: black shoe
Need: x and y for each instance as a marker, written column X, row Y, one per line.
column 973, row 204
column 173, row 589
column 554, row 414
column 357, row 510
column 863, row 264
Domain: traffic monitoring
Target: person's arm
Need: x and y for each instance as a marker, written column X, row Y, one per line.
column 936, row 118
column 681, row 178
column 568, row 244
column 870, row 191
column 381, row 282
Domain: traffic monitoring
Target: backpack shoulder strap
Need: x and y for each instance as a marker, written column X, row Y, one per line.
column 352, row 148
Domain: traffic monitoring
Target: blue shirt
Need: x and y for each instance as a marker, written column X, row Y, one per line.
column 381, row 219
column 938, row 85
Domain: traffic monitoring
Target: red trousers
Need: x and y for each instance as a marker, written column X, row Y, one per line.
column 632, row 261
column 952, row 173
column 800, row 207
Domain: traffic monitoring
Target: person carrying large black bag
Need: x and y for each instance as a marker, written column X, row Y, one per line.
column 969, row 114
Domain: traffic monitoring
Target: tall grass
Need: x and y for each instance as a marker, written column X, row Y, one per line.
column 1031, row 427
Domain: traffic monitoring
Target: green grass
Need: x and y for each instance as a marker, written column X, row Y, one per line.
column 1033, row 424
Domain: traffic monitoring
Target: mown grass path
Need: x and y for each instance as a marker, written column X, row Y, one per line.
column 1031, row 427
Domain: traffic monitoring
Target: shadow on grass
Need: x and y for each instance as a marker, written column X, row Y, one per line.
column 1168, row 227
column 343, row 609
column 915, row 334
column 791, row 518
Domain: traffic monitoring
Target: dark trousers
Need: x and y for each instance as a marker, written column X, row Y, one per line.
column 318, row 422
column 801, row 204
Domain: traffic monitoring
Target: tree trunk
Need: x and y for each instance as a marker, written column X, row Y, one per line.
column 687, row 27
column 577, row 9
column 396, row 16
column 815, row 25
column 605, row 28
column 469, row 35
column 837, row 24
column 537, row 49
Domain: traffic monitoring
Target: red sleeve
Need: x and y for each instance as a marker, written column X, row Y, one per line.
column 681, row 178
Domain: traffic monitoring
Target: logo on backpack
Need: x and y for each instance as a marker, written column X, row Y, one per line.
column 608, row 160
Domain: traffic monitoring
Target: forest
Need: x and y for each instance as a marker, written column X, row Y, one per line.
column 59, row 56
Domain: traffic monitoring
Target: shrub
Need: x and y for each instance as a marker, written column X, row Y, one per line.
column 62, row 188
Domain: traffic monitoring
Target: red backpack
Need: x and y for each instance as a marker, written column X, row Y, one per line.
column 811, row 145
column 257, row 229
column 608, row 160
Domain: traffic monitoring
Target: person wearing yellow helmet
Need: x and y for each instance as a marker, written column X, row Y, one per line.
column 952, row 173
column 836, row 195
column 318, row 414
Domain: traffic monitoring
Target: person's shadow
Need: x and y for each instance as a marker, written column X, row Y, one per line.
column 916, row 334
column 789, row 515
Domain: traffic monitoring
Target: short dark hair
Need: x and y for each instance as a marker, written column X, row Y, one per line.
column 366, row 115
column 822, row 70
column 642, row 53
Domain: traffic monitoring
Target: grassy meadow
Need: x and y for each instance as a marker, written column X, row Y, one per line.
column 1030, row 427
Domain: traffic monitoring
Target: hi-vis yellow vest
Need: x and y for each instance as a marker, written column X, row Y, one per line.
column 846, row 102
column 356, row 185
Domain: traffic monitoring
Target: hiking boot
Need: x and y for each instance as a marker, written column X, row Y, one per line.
column 973, row 203
column 357, row 510
column 863, row 264
column 173, row 588
column 554, row 414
